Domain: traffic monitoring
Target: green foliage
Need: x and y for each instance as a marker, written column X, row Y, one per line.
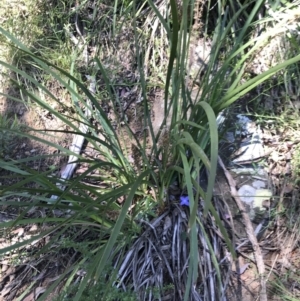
column 99, row 291
column 8, row 135
column 285, row 287
column 191, row 139
column 296, row 165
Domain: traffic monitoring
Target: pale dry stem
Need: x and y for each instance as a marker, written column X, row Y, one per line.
column 250, row 232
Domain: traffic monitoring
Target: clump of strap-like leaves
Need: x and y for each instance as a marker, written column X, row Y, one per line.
column 116, row 212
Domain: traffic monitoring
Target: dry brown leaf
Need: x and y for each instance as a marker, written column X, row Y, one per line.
column 289, row 187
column 18, row 232
column 35, row 294
column 288, row 169
column 276, row 170
column 33, row 228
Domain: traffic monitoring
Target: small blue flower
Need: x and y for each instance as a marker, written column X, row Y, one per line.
column 184, row 200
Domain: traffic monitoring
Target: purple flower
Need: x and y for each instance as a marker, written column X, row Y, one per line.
column 184, row 200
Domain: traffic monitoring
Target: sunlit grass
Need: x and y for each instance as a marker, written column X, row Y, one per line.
column 113, row 194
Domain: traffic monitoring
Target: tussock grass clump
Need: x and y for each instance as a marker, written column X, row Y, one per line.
column 122, row 204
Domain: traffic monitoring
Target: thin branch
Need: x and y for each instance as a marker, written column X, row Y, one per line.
column 250, row 232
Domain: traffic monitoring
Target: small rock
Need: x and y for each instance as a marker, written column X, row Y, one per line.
column 258, row 184
column 247, row 193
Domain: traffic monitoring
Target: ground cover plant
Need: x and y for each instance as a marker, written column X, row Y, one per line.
column 134, row 214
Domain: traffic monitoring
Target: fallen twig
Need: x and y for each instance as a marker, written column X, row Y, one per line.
column 250, row 232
